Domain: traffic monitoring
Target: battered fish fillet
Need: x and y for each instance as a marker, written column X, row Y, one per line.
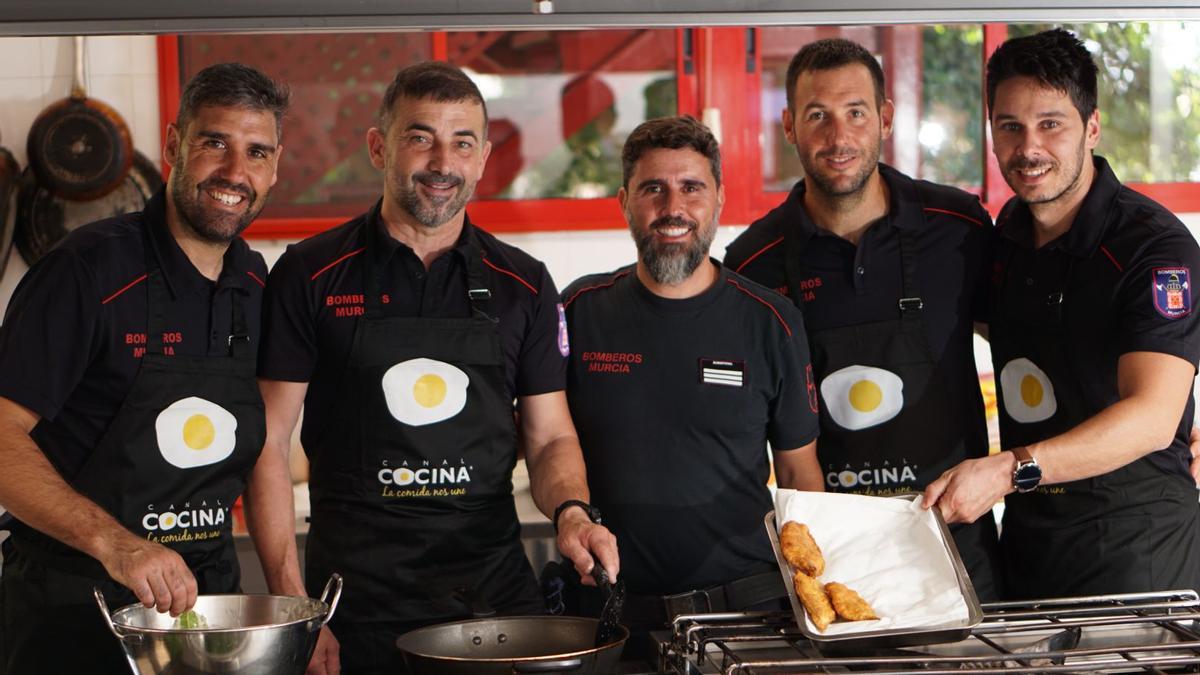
column 815, row 602
column 848, row 603
column 800, row 550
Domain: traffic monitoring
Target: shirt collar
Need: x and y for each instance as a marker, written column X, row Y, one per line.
column 1089, row 226
column 180, row 275
column 904, row 206
column 383, row 245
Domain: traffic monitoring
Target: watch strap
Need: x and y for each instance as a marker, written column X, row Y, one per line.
column 592, row 512
column 1022, row 454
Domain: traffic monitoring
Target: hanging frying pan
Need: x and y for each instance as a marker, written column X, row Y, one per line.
column 10, row 174
column 79, row 148
column 44, row 219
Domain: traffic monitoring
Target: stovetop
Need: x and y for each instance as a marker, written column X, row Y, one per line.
column 1146, row 632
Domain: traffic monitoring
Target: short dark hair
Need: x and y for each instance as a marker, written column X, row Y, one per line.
column 1055, row 58
column 233, row 85
column 432, row 80
column 829, row 54
column 670, row 133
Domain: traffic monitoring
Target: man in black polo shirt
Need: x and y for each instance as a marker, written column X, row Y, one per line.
column 890, row 273
column 129, row 414
column 407, row 333
column 1095, row 342
column 681, row 373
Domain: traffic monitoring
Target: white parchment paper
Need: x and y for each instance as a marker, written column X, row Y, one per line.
column 888, row 549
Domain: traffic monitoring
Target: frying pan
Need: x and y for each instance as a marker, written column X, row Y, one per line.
column 44, row 219
column 79, row 148
column 9, row 175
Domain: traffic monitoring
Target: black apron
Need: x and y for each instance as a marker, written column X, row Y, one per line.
column 1135, row 529
column 169, row 468
column 926, row 432
column 412, row 495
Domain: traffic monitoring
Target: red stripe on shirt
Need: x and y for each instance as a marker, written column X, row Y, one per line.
column 127, row 286
column 956, row 213
column 326, row 268
column 585, row 289
column 504, row 271
column 255, row 277
column 758, row 253
column 764, row 302
column 1114, row 260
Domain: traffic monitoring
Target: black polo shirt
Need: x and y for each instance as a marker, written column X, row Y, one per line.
column 315, row 294
column 675, row 402
column 1120, row 247
column 847, row 285
column 75, row 328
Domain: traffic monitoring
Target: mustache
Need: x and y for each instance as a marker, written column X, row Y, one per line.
column 226, row 186
column 1027, row 163
column 838, row 152
column 438, row 179
column 674, row 221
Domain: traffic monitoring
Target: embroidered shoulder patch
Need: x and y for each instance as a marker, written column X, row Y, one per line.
column 1172, row 291
column 564, row 344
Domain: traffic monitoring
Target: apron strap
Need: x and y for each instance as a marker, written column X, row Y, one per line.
column 910, row 303
column 478, row 293
column 794, row 241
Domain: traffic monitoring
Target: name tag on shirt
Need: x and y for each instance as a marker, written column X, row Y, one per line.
column 722, row 373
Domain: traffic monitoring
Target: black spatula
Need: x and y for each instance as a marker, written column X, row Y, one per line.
column 614, row 602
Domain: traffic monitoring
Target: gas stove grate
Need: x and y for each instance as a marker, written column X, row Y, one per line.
column 1142, row 632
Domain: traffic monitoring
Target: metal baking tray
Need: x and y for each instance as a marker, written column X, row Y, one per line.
column 897, row 637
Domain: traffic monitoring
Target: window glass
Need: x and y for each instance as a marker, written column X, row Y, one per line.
column 337, row 82
column 562, row 103
column 1149, row 96
column 932, row 74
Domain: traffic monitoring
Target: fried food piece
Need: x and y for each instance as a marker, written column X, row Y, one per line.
column 815, row 602
column 848, row 604
column 800, row 549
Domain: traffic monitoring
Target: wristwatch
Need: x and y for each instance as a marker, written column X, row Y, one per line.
column 592, row 512
column 1027, row 474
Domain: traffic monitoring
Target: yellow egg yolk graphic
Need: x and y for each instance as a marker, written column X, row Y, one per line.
column 865, row 396
column 429, row 390
column 1031, row 391
column 198, row 432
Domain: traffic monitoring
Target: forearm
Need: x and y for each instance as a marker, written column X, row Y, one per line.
column 557, row 473
column 33, row 491
column 271, row 519
column 799, row 469
column 1118, row 435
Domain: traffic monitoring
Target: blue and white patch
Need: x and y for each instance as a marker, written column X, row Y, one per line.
column 1172, row 291
column 564, row 344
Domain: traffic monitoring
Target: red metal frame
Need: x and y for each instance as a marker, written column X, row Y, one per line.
column 728, row 84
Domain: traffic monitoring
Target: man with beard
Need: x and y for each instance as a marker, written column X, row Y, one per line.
column 890, row 272
column 1096, row 343
column 129, row 414
column 407, row 334
column 682, row 372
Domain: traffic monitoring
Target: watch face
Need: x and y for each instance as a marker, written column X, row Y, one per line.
column 1027, row 477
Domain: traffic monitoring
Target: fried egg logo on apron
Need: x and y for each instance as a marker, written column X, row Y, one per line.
column 859, row 397
column 193, row 432
column 424, row 391
column 1028, row 393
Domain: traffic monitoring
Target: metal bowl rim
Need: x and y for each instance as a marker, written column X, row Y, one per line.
column 118, row 615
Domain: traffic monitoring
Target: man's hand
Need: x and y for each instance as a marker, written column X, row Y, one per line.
column 156, row 574
column 326, row 658
column 583, row 542
column 971, row 489
column 1194, row 446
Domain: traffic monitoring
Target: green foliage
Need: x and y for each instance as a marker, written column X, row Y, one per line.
column 950, row 96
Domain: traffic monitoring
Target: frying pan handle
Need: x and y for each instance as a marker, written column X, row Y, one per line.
column 334, row 583
column 562, row 666
column 77, row 90
column 108, row 618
